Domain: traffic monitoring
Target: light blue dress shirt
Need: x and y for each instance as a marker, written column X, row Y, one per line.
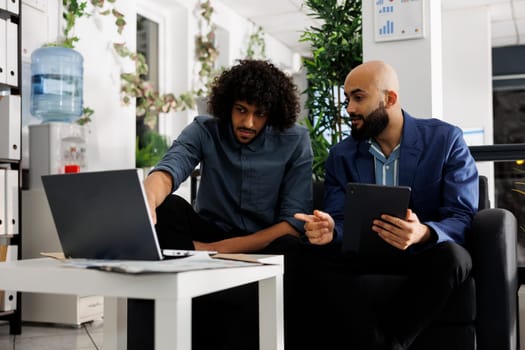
column 386, row 169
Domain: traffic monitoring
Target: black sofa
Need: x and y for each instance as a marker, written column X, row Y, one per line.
column 483, row 313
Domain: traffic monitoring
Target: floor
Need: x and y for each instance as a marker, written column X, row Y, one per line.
column 49, row 337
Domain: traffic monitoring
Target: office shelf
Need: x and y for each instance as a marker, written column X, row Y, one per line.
column 10, row 143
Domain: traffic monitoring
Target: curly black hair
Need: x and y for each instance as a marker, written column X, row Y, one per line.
column 259, row 83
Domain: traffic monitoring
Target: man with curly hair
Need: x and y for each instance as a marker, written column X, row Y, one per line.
column 256, row 172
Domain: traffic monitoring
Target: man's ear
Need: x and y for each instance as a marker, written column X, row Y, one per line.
column 391, row 98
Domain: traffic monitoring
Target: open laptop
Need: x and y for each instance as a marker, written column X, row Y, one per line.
column 104, row 215
column 363, row 204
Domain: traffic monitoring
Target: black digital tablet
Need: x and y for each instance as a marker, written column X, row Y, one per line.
column 363, row 204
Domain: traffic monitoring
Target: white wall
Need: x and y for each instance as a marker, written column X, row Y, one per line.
column 181, row 26
column 240, row 29
column 467, row 78
column 448, row 73
column 176, row 55
column 111, row 139
column 417, row 61
column 467, row 69
column 111, row 142
column 450, row 67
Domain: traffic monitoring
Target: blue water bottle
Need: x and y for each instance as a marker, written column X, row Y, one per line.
column 56, row 84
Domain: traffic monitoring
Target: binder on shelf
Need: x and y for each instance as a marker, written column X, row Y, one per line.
column 7, row 297
column 10, row 124
column 3, row 50
column 11, row 201
column 3, row 229
column 13, row 6
column 12, row 53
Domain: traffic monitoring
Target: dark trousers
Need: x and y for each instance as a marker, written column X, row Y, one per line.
column 349, row 288
column 225, row 320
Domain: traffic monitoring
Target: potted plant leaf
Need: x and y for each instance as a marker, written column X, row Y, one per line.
column 336, row 48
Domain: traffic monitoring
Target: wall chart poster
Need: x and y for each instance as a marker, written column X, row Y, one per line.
column 398, row 19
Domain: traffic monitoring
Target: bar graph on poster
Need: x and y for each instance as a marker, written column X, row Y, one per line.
column 398, row 20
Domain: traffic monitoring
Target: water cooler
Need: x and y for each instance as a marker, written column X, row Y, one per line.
column 56, row 84
column 56, row 146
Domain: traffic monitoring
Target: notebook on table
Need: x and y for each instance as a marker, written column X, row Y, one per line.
column 365, row 203
column 104, row 215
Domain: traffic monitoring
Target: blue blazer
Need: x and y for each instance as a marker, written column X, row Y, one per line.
column 434, row 161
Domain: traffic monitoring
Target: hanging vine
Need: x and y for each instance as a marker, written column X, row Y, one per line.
column 74, row 9
column 134, row 88
column 150, row 103
column 256, row 45
column 206, row 52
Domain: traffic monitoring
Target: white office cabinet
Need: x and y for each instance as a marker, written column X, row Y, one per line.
column 68, row 310
column 10, row 123
column 11, row 201
column 2, row 202
column 13, row 6
column 40, row 236
column 12, row 53
column 10, row 154
column 7, row 300
column 3, row 51
column 11, row 188
column 8, row 297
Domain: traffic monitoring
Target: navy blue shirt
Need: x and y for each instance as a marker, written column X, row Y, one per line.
column 244, row 186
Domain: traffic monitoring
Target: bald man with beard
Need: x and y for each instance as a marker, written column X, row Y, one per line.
column 387, row 146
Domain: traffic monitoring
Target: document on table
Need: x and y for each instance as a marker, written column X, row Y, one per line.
column 197, row 261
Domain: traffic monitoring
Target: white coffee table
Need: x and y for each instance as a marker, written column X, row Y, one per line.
column 172, row 292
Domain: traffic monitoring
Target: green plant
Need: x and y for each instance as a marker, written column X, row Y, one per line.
column 206, row 52
column 86, row 116
column 256, row 48
column 72, row 10
column 134, row 88
column 149, row 149
column 336, row 49
column 120, row 22
column 149, row 102
column 320, row 146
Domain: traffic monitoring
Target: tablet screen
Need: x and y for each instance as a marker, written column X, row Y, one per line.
column 364, row 203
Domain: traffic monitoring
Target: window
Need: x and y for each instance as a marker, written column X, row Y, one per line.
column 148, row 46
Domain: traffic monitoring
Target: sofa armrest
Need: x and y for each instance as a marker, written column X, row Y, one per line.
column 493, row 247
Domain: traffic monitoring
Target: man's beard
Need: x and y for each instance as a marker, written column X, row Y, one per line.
column 373, row 124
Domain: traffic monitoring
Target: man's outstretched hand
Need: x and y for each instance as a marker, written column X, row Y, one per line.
column 318, row 227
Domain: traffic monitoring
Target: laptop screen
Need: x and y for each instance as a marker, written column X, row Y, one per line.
column 102, row 215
